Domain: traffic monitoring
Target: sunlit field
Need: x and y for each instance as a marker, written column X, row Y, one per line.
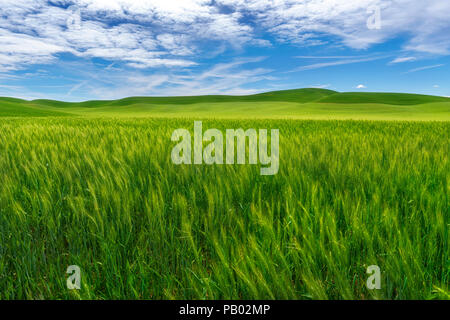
column 103, row 194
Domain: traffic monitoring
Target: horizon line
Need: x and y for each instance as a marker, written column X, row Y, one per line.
column 228, row 95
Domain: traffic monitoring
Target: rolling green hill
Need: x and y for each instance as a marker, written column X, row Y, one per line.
column 298, row 103
column 10, row 107
column 382, row 98
column 296, row 95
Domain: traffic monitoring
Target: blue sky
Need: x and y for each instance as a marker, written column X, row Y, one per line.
column 77, row 50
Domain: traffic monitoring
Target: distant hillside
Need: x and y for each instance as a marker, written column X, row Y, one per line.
column 10, row 107
column 382, row 98
column 299, row 103
column 296, row 95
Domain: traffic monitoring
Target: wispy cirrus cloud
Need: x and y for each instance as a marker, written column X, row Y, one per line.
column 321, row 86
column 339, row 62
column 144, row 34
column 425, row 23
column 403, row 59
column 426, row 68
column 222, row 78
column 329, row 57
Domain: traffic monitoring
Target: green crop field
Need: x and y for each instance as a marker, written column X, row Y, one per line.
column 92, row 184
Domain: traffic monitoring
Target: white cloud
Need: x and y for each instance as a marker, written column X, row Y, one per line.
column 335, row 63
column 167, row 32
column 321, row 86
column 425, row 24
column 328, row 57
column 403, row 59
column 361, row 86
column 425, row 68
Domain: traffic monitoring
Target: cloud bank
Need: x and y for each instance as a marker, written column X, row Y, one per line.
column 179, row 34
column 146, row 34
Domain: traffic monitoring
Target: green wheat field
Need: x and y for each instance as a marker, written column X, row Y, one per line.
column 363, row 180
